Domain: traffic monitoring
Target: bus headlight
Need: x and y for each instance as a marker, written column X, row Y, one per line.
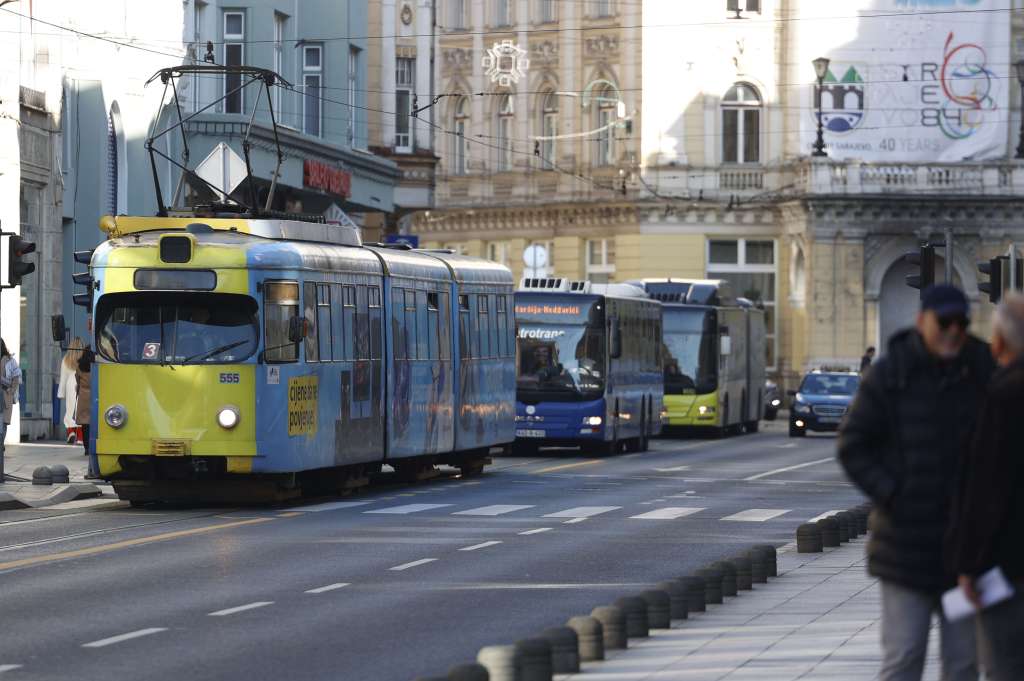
column 704, row 409
column 593, row 420
column 115, row 416
column 227, row 418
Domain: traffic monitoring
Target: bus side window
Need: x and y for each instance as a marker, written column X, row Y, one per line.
column 465, row 347
column 309, row 312
column 398, row 321
column 375, row 323
column 323, row 321
column 280, row 304
column 410, row 324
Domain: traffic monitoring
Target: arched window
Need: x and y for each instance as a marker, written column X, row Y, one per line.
column 460, row 123
column 607, row 102
column 548, row 129
column 741, row 125
column 117, row 177
column 506, row 111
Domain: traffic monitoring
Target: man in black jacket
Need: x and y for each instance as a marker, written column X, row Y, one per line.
column 902, row 443
column 989, row 523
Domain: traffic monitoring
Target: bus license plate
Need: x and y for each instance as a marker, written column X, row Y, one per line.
column 529, row 433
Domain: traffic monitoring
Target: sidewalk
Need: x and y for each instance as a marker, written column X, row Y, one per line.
column 818, row 620
column 21, row 459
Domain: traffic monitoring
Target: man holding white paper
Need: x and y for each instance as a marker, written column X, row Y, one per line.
column 986, row 541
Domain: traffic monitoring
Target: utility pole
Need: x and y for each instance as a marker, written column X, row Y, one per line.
column 949, row 254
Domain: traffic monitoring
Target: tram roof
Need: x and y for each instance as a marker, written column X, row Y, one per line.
column 469, row 270
column 268, row 228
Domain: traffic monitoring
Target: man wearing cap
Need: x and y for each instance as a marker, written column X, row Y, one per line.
column 902, row 444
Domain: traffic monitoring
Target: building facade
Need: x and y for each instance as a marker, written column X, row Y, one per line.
column 713, row 172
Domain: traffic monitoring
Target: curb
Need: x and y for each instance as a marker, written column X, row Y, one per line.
column 70, row 492
column 633, row 615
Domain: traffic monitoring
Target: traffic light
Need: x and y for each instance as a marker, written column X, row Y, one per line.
column 16, row 267
column 925, row 260
column 998, row 271
column 83, row 279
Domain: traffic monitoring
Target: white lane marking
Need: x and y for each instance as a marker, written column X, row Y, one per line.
column 415, row 563
column 574, row 521
column 536, row 531
column 788, row 445
column 240, row 608
column 408, row 508
column 667, row 513
column 788, row 468
column 582, row 511
column 329, row 587
column 331, row 506
column 496, row 509
column 674, row 469
column 824, row 515
column 123, row 637
column 482, row 545
column 756, row 515
column 9, row 667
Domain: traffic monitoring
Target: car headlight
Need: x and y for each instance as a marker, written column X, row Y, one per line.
column 705, row 409
column 228, row 417
column 776, row 403
column 593, row 420
column 115, row 416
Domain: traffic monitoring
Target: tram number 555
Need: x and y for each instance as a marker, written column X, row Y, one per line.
column 230, row 378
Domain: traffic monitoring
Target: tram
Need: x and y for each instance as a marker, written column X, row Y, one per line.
column 242, row 358
column 589, row 367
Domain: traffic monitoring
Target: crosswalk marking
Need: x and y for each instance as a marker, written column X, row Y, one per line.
column 482, row 545
column 667, row 513
column 496, row 509
column 332, row 506
column 824, row 515
column 9, row 667
column 582, row 511
column 757, row 515
column 407, row 508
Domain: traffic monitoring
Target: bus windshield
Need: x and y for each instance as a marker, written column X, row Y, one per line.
column 562, row 358
column 691, row 365
column 176, row 328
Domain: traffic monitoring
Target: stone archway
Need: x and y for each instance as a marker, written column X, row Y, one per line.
column 897, row 302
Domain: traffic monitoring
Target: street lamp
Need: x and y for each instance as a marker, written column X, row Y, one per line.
column 820, row 69
column 1020, row 80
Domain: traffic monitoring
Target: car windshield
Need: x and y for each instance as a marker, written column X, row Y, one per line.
column 560, row 358
column 829, row 384
column 690, row 364
column 176, row 328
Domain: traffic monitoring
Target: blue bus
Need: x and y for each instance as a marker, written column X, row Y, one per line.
column 588, row 366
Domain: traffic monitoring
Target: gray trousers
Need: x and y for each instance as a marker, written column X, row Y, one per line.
column 1001, row 639
column 906, row 620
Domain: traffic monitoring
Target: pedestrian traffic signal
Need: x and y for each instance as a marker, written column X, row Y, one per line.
column 924, row 258
column 83, row 279
column 16, row 267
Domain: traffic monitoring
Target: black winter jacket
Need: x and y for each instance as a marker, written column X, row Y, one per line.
column 987, row 529
column 902, row 443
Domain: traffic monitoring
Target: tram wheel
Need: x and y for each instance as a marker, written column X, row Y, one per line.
column 471, row 469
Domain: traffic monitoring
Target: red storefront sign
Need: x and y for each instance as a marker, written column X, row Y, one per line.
column 319, row 175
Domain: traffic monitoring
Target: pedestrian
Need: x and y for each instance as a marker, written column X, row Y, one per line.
column 989, row 519
column 867, row 359
column 83, row 411
column 67, row 389
column 901, row 443
column 10, row 380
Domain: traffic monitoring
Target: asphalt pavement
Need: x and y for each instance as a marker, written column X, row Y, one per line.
column 394, row 582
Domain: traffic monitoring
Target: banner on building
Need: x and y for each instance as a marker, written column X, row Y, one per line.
column 908, row 80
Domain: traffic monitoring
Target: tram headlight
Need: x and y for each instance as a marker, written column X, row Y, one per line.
column 228, row 417
column 115, row 416
column 593, row 420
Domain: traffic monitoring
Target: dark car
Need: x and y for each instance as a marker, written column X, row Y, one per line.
column 821, row 402
column 772, row 400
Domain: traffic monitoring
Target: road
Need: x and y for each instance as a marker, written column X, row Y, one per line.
column 397, row 581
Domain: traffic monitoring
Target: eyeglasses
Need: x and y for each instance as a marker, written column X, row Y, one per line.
column 959, row 320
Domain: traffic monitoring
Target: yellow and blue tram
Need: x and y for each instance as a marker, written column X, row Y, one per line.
column 243, row 358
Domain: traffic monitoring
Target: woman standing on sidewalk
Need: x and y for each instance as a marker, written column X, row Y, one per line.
column 10, row 379
column 83, row 410
column 67, row 390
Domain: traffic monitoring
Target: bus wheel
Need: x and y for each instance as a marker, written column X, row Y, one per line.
column 609, row 448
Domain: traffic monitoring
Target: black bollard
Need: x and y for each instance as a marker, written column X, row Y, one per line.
column 676, row 591
column 590, row 635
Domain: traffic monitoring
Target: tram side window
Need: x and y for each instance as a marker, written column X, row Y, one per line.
column 483, row 323
column 422, row 326
column 375, row 323
column 410, row 324
column 348, row 310
column 323, row 321
column 280, row 304
column 362, row 324
column 337, row 323
column 309, row 312
column 446, row 329
column 432, row 323
column 398, row 322
column 501, row 315
column 464, row 327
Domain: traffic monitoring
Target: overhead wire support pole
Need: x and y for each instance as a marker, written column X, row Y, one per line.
column 949, row 255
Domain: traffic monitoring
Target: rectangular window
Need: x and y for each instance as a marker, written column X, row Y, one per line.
column 279, row 26
column 280, row 304
column 323, row 322
column 458, row 13
column 754, row 6
column 600, row 260
column 502, row 324
column 433, row 333
column 312, row 83
column 548, row 12
column 405, row 90
column 751, row 136
column 483, row 326
column 398, row 323
column 604, row 8
column 309, row 312
column 730, row 135
column 502, row 12
column 422, row 326
column 750, row 266
column 411, row 340
column 338, row 330
column 234, row 55
column 376, row 332
column 606, row 136
column 349, row 312
column 445, row 340
column 547, row 146
column 353, row 84
column 362, row 338
column 465, row 347
column 724, row 252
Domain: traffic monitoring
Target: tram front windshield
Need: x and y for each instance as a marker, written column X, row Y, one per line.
column 690, row 357
column 176, row 328
column 561, row 359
